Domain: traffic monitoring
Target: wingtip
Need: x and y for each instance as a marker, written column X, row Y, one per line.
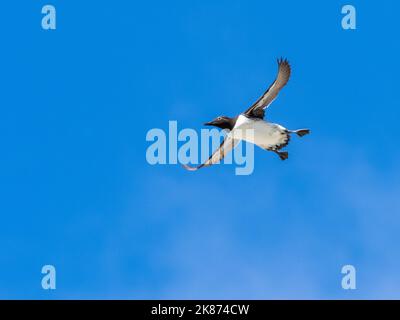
column 282, row 61
column 189, row 168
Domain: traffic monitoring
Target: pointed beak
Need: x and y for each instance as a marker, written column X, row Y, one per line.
column 209, row 123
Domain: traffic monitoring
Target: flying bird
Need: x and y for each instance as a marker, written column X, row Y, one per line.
column 269, row 136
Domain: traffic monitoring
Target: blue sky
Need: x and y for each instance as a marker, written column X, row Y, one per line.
column 77, row 192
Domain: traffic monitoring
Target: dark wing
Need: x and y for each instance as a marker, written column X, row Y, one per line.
column 226, row 146
column 258, row 108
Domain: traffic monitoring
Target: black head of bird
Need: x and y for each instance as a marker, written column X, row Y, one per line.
column 222, row 122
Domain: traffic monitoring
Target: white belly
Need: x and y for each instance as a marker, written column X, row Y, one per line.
column 264, row 134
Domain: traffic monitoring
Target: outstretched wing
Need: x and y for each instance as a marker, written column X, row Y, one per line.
column 226, row 146
column 258, row 108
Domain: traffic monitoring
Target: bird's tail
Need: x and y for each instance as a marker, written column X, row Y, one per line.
column 301, row 132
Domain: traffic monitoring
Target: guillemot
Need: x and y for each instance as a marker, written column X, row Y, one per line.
column 269, row 136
